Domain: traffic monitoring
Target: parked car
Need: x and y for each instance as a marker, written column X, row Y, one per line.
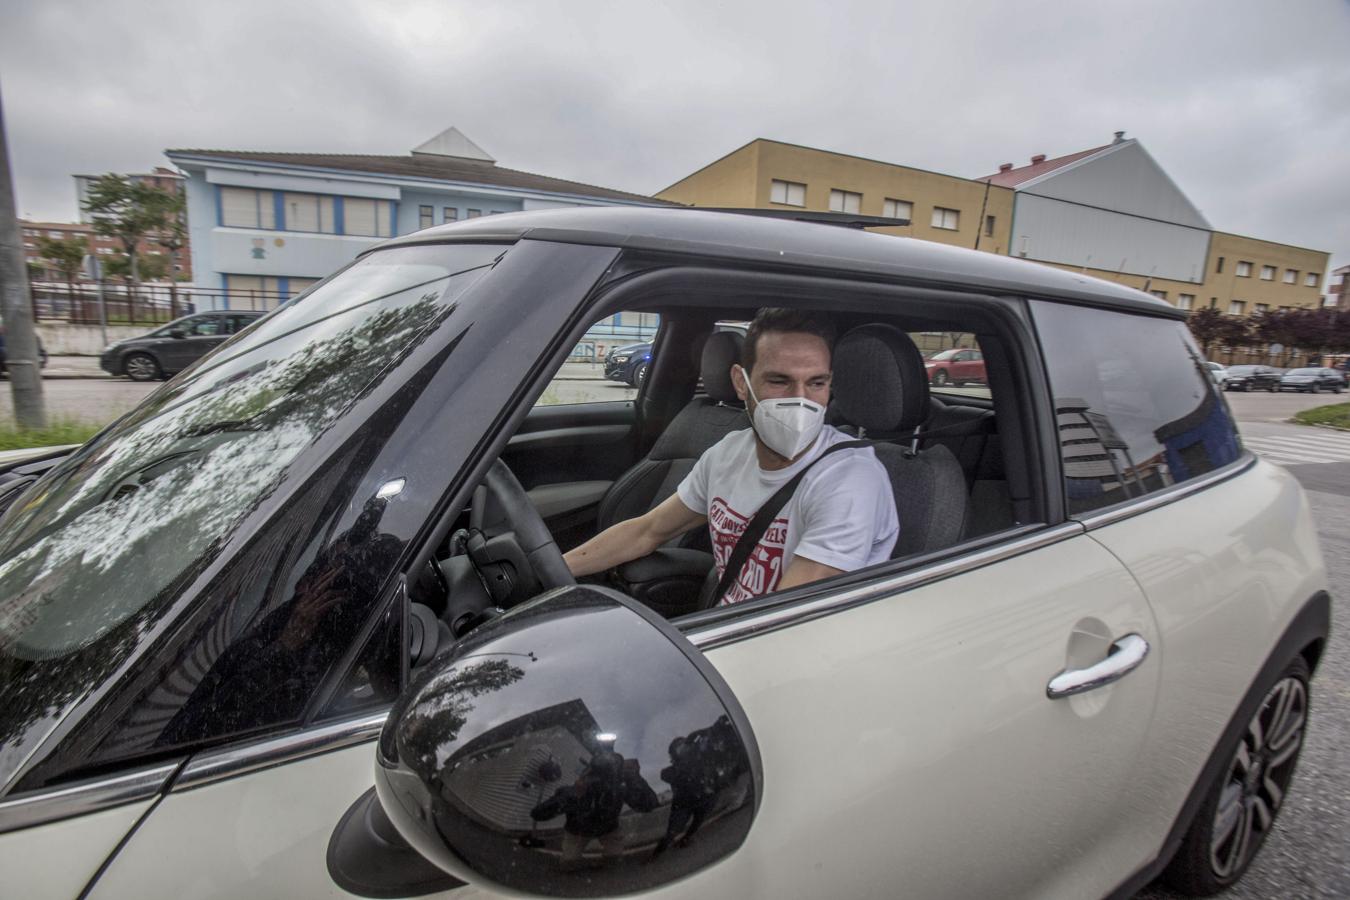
column 955, row 367
column 299, row 624
column 42, row 351
column 175, row 346
column 1218, row 372
column 1252, row 378
column 629, row 363
column 1312, row 380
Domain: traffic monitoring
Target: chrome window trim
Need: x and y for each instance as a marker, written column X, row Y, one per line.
column 242, row 759
column 772, row 619
column 1180, row 491
column 39, row 807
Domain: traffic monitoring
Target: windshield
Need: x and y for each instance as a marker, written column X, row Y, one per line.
column 95, row 550
column 1304, row 372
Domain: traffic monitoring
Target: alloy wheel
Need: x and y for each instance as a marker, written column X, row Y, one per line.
column 1258, row 777
column 940, row 377
column 140, row 367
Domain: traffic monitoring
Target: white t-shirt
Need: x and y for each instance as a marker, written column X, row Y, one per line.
column 841, row 515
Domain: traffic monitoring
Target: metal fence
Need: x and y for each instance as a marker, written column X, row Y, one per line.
column 147, row 304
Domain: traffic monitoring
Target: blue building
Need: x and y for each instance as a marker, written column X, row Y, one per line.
column 265, row 226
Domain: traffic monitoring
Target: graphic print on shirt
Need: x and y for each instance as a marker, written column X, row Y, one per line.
column 764, row 567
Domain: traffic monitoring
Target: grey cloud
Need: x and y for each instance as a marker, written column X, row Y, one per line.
column 1241, row 102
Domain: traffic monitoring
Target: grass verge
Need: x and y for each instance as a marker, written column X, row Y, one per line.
column 1337, row 414
column 58, row 432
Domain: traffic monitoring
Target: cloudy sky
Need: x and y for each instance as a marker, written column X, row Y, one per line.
column 1245, row 103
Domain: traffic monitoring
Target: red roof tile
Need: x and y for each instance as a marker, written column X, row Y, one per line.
column 1014, row 177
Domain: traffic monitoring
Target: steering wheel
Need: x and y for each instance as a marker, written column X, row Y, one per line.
column 509, row 544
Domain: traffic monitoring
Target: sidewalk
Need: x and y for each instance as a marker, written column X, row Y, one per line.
column 73, row 367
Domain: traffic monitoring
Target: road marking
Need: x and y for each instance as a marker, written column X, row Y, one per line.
column 1328, row 447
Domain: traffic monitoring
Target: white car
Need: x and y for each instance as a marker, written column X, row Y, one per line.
column 1218, row 372
column 298, row 625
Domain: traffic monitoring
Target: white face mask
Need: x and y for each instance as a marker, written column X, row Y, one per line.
column 787, row 426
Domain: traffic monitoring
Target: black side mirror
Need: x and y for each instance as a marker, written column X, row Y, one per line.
column 178, row 333
column 577, row 746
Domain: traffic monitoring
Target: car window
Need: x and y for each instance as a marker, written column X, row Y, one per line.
column 206, row 326
column 608, row 364
column 112, row 538
column 1135, row 409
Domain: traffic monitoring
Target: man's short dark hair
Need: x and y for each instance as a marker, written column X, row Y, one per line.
column 782, row 319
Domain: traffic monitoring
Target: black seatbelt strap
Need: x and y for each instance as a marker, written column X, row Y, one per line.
column 765, row 516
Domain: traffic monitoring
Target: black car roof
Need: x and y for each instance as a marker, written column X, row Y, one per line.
column 751, row 238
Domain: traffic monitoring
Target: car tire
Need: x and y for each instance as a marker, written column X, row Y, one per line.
column 1273, row 389
column 1241, row 806
column 940, row 377
column 141, row 367
column 640, row 375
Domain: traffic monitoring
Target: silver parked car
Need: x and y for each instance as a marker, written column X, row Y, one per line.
column 1312, row 380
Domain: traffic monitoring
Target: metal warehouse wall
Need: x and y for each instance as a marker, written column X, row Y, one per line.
column 1062, row 232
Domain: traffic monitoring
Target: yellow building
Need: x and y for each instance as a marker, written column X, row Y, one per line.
column 1108, row 211
column 768, row 174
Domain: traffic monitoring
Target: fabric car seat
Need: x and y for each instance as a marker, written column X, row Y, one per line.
column 881, row 388
column 704, row 421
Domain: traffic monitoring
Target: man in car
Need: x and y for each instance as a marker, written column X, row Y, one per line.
column 841, row 516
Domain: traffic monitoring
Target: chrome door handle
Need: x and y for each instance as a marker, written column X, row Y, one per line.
column 1125, row 656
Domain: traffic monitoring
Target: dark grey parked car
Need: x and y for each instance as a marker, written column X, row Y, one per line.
column 1252, row 378
column 1312, row 380
column 175, row 346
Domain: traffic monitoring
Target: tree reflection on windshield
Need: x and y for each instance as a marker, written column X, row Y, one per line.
column 94, row 553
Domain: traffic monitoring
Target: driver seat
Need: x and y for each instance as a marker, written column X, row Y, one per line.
column 704, row 421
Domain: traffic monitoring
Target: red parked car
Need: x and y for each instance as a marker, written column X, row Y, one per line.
column 956, row 367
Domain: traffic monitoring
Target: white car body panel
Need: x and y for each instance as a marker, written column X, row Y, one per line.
column 961, row 748
column 1223, row 598
column 58, row 859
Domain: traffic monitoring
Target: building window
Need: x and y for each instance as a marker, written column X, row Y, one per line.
column 1244, row 269
column 1291, row 276
column 474, row 213
column 898, row 209
column 949, row 219
column 1237, row 307
column 988, row 226
column 1218, row 267
column 1262, row 308
column 1310, row 280
column 845, row 202
column 450, row 214
column 308, row 212
column 787, row 192
column 1267, row 273
column 365, row 217
column 426, row 216
column 1161, row 295
column 247, row 208
column 1185, row 301
column 56, row 235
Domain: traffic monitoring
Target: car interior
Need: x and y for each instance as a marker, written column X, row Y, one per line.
column 957, row 456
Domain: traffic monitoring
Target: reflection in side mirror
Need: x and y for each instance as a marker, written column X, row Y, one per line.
column 576, row 746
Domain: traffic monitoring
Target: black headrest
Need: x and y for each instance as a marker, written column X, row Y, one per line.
column 721, row 351
column 879, row 380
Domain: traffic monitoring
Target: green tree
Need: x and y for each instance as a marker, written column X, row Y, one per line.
column 1207, row 327
column 66, row 256
column 168, row 209
column 153, row 268
column 124, row 210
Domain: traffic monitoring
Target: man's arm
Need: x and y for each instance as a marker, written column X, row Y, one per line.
column 805, row 571
column 632, row 538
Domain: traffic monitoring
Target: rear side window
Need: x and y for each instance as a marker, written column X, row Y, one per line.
column 1135, row 408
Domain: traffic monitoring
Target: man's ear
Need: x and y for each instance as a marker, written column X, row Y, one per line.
column 738, row 382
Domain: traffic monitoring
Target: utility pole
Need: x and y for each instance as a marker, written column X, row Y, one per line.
column 21, row 350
